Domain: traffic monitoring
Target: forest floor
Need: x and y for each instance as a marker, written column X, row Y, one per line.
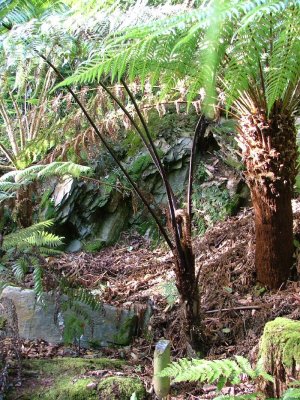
column 234, row 308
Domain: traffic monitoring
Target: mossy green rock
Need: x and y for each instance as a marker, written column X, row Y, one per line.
column 280, row 355
column 121, row 388
column 61, row 379
column 281, row 341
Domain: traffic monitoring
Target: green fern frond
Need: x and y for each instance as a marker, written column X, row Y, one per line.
column 291, row 394
column 9, row 176
column 44, row 239
column 219, row 371
column 16, row 239
column 5, row 196
column 212, row 45
column 9, row 186
column 244, row 364
column 63, row 168
column 14, row 179
column 47, row 251
column 20, row 268
column 38, row 281
column 261, row 371
column 79, row 295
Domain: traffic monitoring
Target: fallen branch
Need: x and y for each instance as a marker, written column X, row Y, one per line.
column 234, row 309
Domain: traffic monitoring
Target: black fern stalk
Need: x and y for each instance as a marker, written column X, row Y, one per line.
column 181, row 245
column 112, row 153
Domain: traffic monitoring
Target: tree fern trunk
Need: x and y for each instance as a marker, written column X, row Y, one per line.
column 274, row 236
column 270, row 154
column 188, row 288
column 24, row 206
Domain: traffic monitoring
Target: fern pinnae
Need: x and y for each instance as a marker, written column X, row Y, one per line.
column 20, row 268
column 44, row 239
column 211, row 371
column 48, row 251
column 38, row 282
column 5, row 196
column 9, row 186
column 245, row 365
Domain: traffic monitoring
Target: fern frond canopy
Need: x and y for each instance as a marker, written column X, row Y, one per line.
column 221, row 44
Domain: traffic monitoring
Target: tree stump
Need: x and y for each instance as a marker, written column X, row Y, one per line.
column 279, row 352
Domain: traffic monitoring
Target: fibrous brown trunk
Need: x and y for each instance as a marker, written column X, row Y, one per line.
column 270, row 153
column 188, row 288
column 274, row 236
column 24, row 206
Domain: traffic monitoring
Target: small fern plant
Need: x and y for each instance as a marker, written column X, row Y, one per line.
column 12, row 181
column 26, row 250
column 214, row 371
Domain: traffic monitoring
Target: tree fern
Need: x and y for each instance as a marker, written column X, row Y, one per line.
column 211, row 40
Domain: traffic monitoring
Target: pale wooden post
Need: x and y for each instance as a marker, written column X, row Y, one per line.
column 161, row 361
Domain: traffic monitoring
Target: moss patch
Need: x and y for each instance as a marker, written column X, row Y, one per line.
column 281, row 342
column 66, row 389
column 121, row 388
column 59, row 378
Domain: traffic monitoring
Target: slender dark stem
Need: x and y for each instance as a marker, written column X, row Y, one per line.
column 159, row 165
column 126, row 112
column 171, row 198
column 153, row 155
column 156, row 160
column 198, row 134
column 140, row 115
column 149, row 145
column 152, row 150
column 112, row 153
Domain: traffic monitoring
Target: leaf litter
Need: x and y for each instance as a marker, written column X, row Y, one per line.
column 234, row 308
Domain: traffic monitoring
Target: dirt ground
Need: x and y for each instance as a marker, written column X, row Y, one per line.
column 234, row 309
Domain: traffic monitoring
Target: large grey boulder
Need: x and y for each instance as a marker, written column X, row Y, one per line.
column 109, row 325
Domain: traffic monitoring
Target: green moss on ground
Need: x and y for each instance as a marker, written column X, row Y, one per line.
column 121, row 388
column 280, row 342
column 60, row 378
column 66, row 389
